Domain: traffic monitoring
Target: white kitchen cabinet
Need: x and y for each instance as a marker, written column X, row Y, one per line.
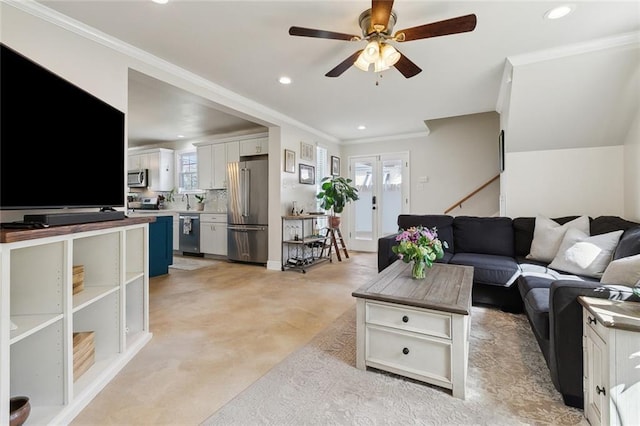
column 213, row 233
column 254, row 146
column 159, row 162
column 212, row 163
column 36, row 274
column 176, row 232
column 611, row 346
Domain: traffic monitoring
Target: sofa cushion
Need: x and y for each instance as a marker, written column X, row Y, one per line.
column 629, row 244
column 548, row 234
column 442, row 223
column 536, row 305
column 584, row 255
column 484, row 235
column 489, row 269
column 625, row 271
column 605, row 224
column 529, row 282
column 523, row 228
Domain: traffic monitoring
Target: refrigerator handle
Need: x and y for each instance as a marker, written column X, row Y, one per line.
column 246, row 184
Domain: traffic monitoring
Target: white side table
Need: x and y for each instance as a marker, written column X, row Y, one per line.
column 611, row 355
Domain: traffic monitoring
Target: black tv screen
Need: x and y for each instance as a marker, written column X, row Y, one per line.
column 60, row 147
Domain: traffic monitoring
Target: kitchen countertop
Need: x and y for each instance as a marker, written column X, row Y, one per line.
column 143, row 212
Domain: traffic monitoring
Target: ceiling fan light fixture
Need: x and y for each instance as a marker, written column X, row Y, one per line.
column 362, row 63
column 389, row 55
column 380, row 65
column 371, row 52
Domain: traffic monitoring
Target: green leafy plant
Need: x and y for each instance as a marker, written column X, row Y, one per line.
column 336, row 193
column 200, row 197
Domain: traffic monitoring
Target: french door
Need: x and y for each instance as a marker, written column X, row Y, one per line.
column 383, row 191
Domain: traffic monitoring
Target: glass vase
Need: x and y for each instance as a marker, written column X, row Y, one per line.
column 419, row 269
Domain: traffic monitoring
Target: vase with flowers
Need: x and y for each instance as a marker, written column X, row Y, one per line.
column 421, row 246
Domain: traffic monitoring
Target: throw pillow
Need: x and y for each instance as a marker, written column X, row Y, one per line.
column 624, row 271
column 584, row 255
column 548, row 234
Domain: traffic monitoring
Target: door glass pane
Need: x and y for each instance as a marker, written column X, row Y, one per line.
column 391, row 196
column 364, row 180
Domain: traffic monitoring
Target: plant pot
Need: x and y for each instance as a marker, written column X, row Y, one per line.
column 200, row 207
column 334, row 222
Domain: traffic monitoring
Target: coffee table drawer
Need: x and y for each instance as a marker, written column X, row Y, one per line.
column 405, row 318
column 409, row 353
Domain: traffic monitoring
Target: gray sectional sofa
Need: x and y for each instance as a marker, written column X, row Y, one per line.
column 507, row 277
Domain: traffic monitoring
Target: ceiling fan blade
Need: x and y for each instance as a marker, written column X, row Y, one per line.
column 380, row 12
column 406, row 67
column 461, row 24
column 344, row 65
column 309, row 32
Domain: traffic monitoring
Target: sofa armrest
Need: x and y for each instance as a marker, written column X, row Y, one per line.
column 386, row 256
column 565, row 333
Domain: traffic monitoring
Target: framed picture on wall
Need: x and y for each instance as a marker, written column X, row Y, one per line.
column 501, row 151
column 307, row 152
column 289, row 161
column 307, row 174
column 335, row 166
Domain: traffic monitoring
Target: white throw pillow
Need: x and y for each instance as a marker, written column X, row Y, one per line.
column 548, row 234
column 584, row 255
column 624, row 271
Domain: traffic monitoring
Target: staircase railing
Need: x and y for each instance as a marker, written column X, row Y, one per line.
column 474, row 192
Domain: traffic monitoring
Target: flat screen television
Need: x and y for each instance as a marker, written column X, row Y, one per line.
column 60, row 147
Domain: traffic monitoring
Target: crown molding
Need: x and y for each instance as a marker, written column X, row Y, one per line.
column 388, row 138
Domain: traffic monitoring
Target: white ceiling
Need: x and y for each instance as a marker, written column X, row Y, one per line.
column 244, row 47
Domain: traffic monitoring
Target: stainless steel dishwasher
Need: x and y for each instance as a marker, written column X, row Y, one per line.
column 189, row 241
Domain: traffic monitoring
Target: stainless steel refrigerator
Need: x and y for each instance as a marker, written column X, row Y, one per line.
column 247, row 210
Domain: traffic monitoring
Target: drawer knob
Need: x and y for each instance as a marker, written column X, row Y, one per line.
column 405, row 351
column 601, row 390
column 405, row 319
column 591, row 320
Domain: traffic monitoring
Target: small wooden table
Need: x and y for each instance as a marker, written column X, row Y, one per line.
column 417, row 328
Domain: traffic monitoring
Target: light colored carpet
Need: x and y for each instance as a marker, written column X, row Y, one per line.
column 508, row 384
column 188, row 263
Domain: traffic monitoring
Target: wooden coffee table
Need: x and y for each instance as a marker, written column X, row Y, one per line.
column 417, row 328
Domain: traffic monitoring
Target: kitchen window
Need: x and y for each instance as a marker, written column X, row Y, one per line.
column 187, row 171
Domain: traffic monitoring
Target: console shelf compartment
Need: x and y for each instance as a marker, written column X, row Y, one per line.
column 36, row 295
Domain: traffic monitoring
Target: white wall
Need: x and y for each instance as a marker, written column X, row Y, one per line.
column 564, row 182
column 457, row 156
column 632, row 171
column 284, row 187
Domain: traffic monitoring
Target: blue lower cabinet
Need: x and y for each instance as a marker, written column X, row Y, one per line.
column 160, row 245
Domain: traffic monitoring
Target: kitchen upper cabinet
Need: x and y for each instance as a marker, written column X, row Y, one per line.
column 159, row 162
column 212, row 163
column 255, row 146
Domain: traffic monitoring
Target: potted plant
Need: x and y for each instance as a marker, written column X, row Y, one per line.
column 335, row 194
column 200, row 204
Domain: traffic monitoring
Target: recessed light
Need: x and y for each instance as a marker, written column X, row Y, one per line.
column 180, row 136
column 160, row 1
column 284, row 80
column 559, row 12
column 362, row 127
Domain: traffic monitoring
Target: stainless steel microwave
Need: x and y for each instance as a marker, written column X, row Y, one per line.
column 138, row 178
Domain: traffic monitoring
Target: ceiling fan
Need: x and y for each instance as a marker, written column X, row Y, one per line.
column 377, row 26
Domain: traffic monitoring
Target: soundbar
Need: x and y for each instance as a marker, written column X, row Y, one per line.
column 58, row 219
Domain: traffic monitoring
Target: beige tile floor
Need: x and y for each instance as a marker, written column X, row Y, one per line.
column 218, row 329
